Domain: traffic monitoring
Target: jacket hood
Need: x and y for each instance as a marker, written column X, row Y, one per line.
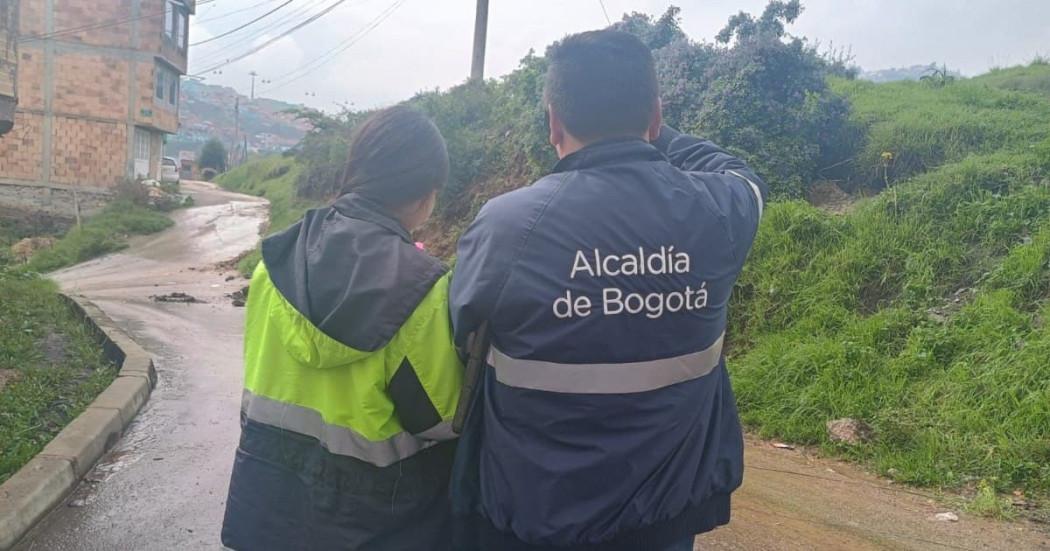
column 353, row 273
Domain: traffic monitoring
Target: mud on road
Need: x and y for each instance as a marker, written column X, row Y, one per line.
column 164, row 485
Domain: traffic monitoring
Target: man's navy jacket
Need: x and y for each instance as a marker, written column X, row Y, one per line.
column 605, row 418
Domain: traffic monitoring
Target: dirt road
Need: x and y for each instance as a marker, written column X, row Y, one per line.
column 164, row 485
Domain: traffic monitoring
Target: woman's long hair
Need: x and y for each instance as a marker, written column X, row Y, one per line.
column 396, row 156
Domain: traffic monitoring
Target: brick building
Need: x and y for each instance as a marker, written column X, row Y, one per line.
column 8, row 63
column 98, row 89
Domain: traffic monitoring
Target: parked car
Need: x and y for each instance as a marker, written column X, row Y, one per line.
column 169, row 171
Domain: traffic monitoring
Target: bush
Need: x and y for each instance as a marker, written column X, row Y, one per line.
column 322, row 152
column 213, row 156
column 758, row 93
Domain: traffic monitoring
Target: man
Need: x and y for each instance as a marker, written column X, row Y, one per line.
column 605, row 415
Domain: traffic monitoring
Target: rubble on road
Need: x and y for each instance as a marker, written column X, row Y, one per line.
column 239, row 298
column 176, row 297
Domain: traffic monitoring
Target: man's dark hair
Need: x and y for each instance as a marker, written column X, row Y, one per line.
column 396, row 157
column 602, row 84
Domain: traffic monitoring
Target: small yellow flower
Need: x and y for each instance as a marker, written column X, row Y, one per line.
column 887, row 157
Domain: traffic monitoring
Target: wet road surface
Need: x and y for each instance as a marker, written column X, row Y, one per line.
column 164, row 484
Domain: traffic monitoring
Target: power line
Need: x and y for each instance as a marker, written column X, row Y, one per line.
column 232, row 13
column 99, row 25
column 269, row 42
column 262, row 30
column 235, row 29
column 335, row 51
column 602, row 4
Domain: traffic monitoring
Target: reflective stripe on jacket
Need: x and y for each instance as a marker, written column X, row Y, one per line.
column 351, row 383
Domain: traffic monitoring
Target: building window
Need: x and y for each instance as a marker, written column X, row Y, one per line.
column 176, row 24
column 169, row 20
column 167, row 85
column 181, row 23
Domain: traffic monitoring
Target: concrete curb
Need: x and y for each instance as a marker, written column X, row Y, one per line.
column 48, row 478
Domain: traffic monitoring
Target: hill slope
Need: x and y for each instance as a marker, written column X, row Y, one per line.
column 207, row 111
column 921, row 313
column 1032, row 78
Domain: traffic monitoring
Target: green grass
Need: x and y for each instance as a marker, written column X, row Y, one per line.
column 924, row 311
column 273, row 178
column 1034, row 77
column 924, row 127
column 100, row 234
column 59, row 366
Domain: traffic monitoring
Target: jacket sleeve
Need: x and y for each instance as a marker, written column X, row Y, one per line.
column 737, row 190
column 484, row 258
column 426, row 381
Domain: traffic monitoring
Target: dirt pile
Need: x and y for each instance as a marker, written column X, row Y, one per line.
column 176, row 297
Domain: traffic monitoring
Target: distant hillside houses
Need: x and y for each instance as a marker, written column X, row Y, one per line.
column 209, row 111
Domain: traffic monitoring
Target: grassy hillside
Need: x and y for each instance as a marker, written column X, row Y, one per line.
column 923, row 127
column 923, row 312
column 1032, row 78
column 274, row 178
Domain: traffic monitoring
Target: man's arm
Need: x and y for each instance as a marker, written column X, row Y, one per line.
column 732, row 184
column 483, row 259
column 693, row 154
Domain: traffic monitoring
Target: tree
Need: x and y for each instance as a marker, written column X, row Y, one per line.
column 655, row 33
column 757, row 90
column 323, row 150
column 213, row 156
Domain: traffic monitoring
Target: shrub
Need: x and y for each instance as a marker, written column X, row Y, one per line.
column 213, row 156
column 322, row 152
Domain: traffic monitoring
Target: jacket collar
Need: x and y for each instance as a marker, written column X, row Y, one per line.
column 609, row 152
column 359, row 207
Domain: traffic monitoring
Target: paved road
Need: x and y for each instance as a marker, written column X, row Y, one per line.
column 164, row 485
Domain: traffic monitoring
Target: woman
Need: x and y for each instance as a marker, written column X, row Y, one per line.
column 351, row 378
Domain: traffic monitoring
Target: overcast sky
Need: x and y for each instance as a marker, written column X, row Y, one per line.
column 398, row 47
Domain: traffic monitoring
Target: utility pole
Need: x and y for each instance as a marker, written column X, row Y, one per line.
column 481, row 25
column 253, row 74
column 236, row 128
